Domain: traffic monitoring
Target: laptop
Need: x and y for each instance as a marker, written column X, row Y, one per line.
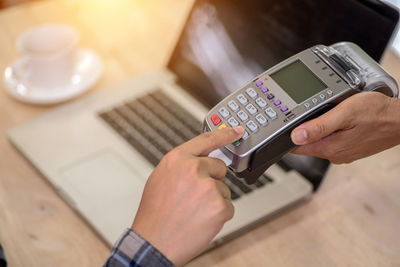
column 98, row 151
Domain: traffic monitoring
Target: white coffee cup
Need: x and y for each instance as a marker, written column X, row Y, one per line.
column 48, row 54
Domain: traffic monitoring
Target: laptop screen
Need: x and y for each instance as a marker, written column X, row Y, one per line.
column 225, row 43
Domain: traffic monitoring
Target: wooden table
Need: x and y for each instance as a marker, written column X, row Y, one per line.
column 352, row 221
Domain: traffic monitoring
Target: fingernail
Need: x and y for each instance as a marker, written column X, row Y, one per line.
column 300, row 136
column 239, row 129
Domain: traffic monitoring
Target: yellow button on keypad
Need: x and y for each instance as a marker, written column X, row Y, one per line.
column 222, row 126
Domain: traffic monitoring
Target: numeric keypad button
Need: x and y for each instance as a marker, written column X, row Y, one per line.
column 242, row 99
column 233, row 122
column 224, row 112
column 245, row 135
column 261, row 103
column 271, row 113
column 242, row 115
column 251, row 109
column 233, row 105
column 261, row 120
column 252, row 126
column 251, row 93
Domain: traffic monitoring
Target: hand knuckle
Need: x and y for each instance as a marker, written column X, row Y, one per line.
column 192, row 167
column 222, row 168
column 220, row 208
column 231, row 213
column 209, row 187
column 228, row 192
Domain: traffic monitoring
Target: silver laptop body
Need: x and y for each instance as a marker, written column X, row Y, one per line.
column 102, row 177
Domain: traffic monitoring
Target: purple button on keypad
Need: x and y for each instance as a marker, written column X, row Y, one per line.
column 277, row 102
column 259, row 83
column 265, row 90
column 284, row 108
column 270, row 96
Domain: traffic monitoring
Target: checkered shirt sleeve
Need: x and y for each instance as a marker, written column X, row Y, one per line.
column 131, row 250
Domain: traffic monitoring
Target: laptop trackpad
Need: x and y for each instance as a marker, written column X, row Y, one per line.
column 105, row 188
column 103, row 175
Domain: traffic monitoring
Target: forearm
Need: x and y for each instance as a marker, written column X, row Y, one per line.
column 393, row 118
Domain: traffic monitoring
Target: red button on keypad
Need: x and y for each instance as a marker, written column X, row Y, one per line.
column 215, row 119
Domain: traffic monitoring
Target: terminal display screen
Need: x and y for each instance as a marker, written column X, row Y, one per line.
column 298, row 81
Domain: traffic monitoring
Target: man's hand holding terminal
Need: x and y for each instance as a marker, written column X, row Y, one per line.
column 185, row 203
column 360, row 126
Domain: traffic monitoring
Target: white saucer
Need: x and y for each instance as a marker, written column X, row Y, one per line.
column 88, row 69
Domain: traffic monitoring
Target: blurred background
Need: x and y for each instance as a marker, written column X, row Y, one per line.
column 7, row 3
column 396, row 41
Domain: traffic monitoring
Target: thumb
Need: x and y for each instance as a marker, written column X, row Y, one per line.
column 203, row 144
column 316, row 129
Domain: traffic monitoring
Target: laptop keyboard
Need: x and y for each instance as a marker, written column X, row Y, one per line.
column 154, row 124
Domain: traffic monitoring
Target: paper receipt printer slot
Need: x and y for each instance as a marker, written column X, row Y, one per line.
column 298, row 89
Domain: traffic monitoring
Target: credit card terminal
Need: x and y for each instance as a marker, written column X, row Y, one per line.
column 298, row 89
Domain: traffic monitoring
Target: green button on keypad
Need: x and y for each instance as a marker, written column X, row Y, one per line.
column 236, row 143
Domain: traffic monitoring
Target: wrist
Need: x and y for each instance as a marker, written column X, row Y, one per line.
column 133, row 246
column 147, row 234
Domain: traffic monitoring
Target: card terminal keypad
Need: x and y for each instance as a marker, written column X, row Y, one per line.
column 259, row 106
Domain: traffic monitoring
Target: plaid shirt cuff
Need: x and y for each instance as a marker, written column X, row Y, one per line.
column 132, row 250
